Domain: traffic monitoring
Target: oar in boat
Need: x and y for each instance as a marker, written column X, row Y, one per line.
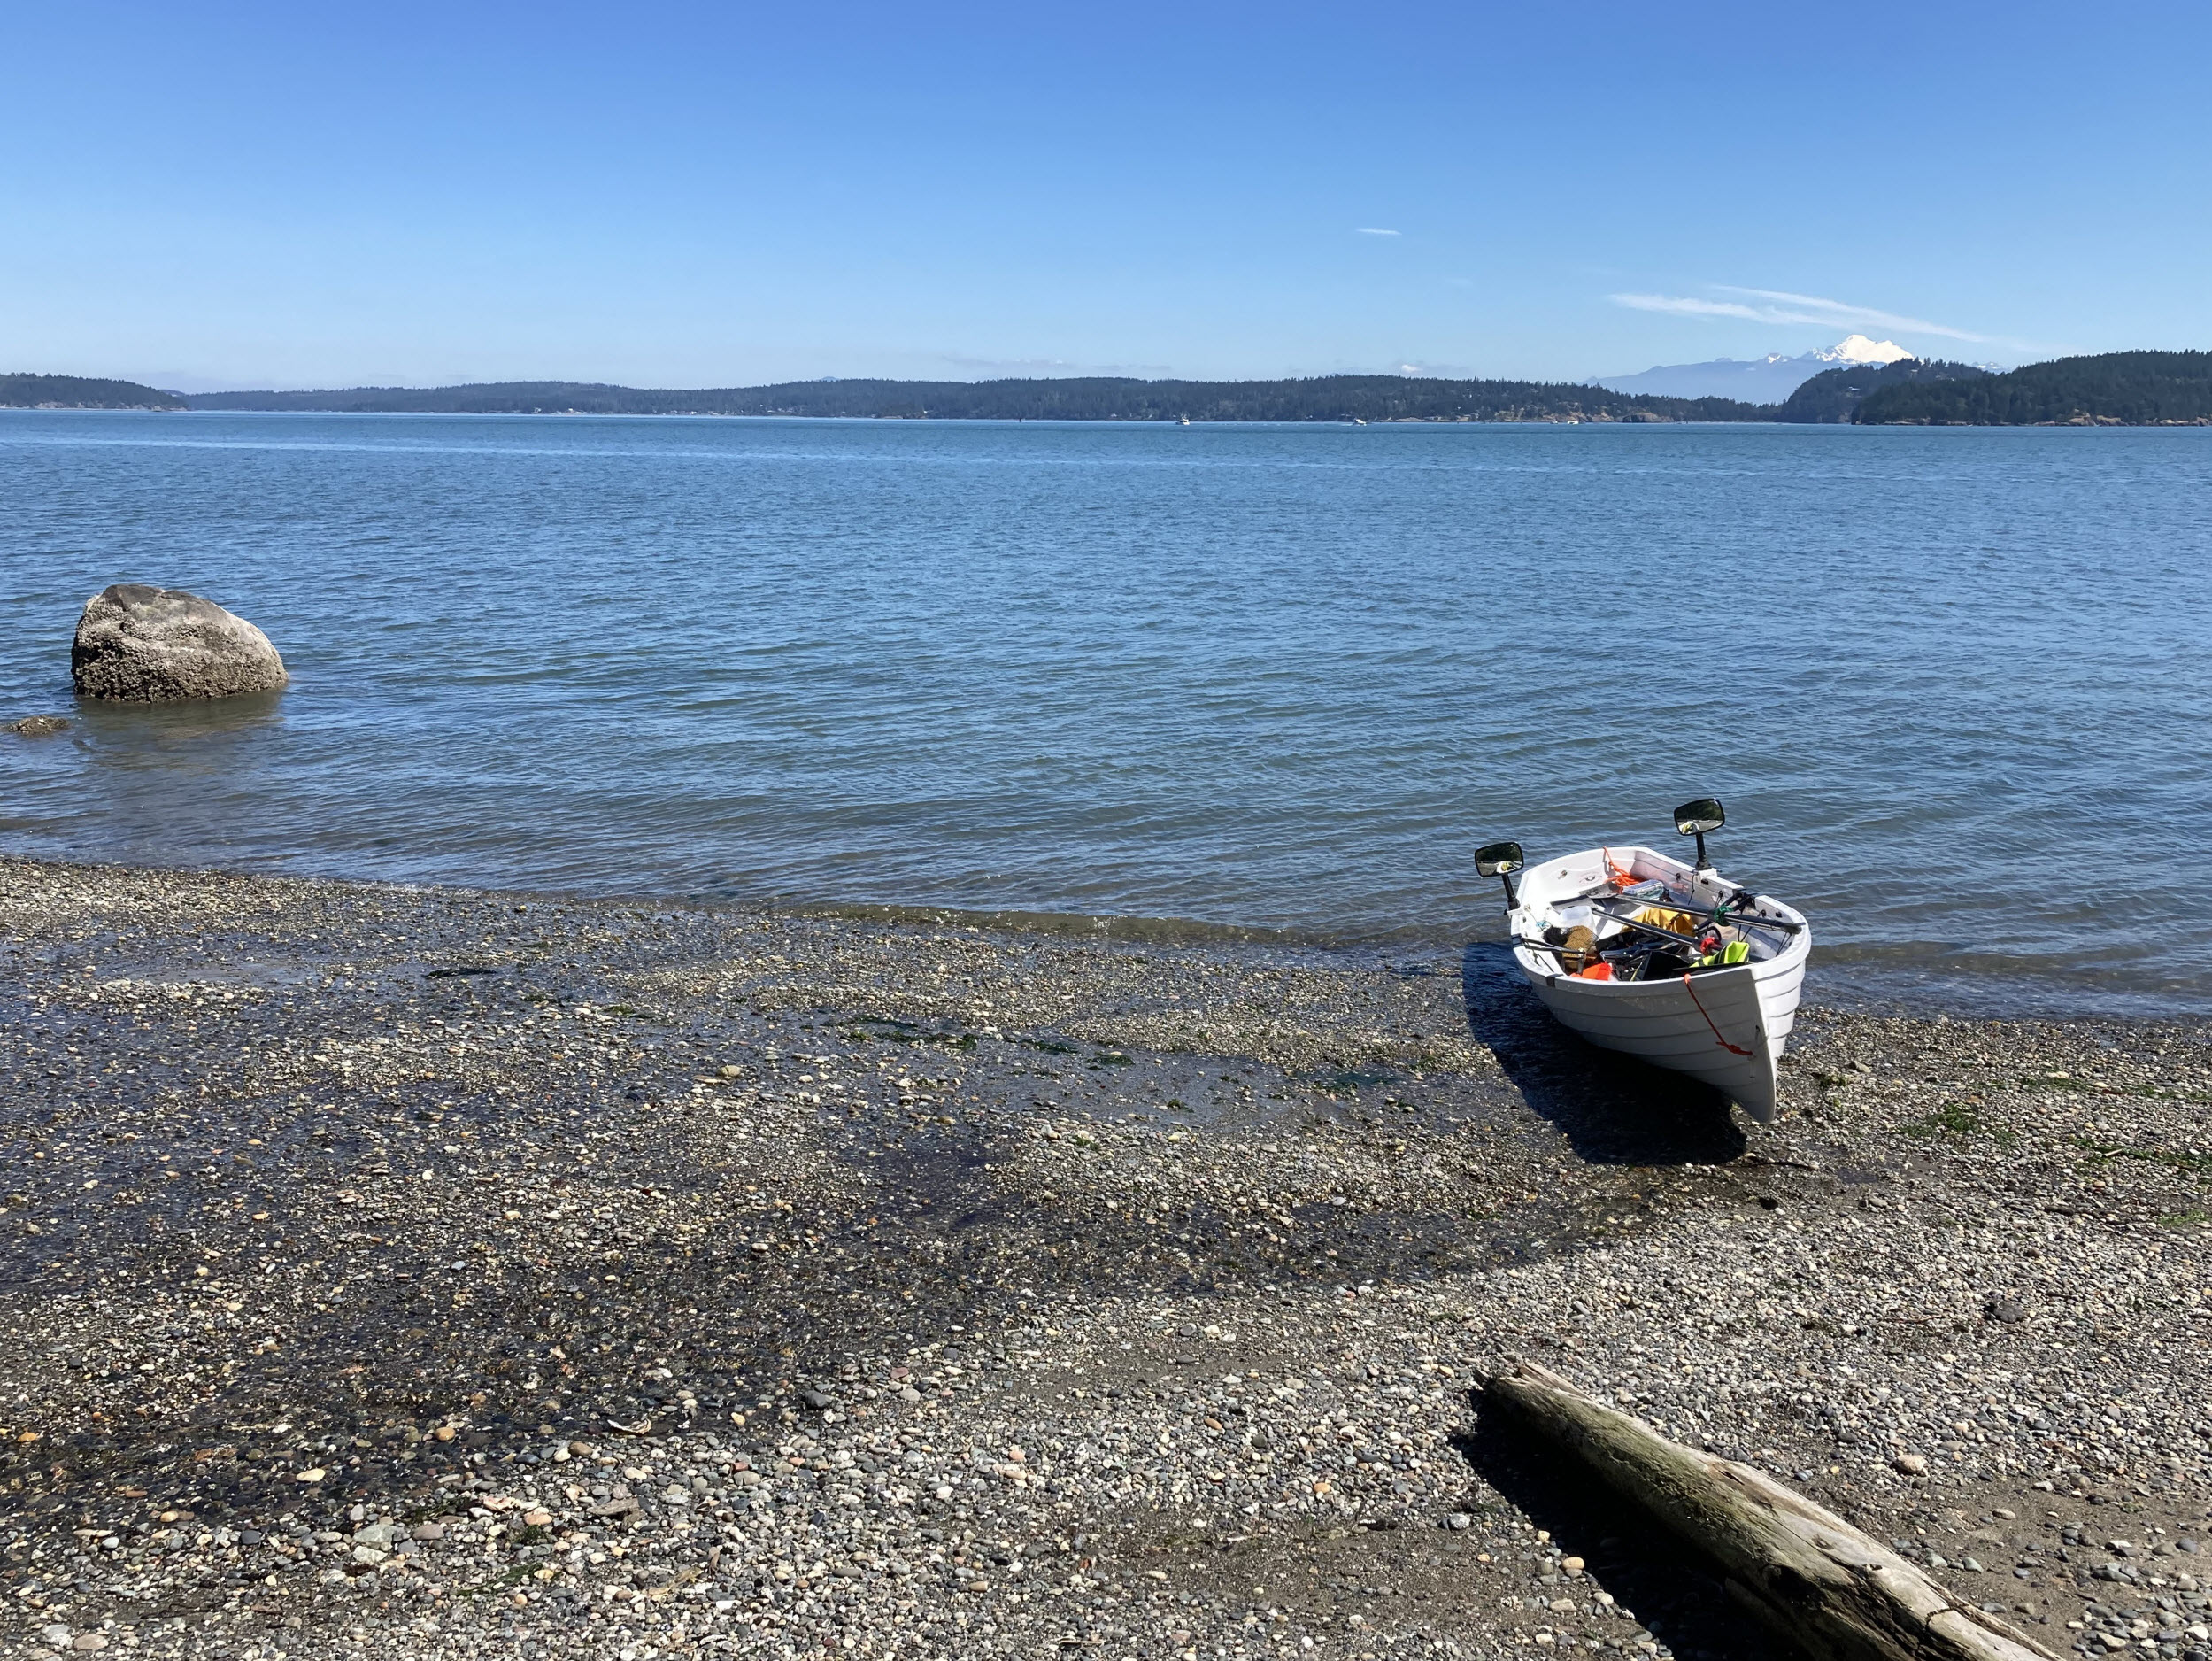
column 1717, row 915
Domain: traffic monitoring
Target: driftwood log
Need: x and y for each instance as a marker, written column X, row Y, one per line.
column 1812, row 1578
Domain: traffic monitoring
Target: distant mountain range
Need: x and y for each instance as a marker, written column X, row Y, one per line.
column 1768, row 379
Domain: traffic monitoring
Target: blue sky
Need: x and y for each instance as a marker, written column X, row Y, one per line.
column 682, row 196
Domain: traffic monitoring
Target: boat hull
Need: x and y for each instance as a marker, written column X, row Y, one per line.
column 1727, row 1026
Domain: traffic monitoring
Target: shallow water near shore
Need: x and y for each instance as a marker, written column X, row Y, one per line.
column 1950, row 683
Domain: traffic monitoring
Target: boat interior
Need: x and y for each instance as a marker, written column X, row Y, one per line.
column 1630, row 913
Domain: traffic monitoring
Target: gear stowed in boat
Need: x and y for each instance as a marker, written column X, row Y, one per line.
column 1670, row 963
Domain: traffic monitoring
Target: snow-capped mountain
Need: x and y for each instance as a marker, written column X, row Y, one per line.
column 1858, row 349
column 1767, row 379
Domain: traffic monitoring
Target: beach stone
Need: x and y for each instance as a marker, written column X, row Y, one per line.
column 1912, row 1464
column 138, row 644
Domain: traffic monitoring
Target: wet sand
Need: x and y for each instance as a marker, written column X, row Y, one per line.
column 408, row 1272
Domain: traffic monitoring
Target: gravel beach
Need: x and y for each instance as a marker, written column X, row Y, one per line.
column 416, row 1272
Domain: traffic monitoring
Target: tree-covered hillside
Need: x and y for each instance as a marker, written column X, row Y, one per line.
column 2122, row 389
column 1834, row 394
column 70, row 391
column 1371, row 397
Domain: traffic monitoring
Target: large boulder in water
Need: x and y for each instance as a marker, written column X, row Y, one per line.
column 138, row 644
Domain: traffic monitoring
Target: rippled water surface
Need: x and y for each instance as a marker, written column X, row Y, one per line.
column 1952, row 685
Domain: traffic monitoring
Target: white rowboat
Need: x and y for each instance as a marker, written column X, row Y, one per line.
column 1725, row 1025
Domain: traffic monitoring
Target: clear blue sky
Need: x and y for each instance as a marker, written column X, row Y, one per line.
column 689, row 196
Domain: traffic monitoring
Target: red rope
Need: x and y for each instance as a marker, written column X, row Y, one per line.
column 1717, row 1038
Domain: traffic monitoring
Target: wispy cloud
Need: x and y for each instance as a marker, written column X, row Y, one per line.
column 1777, row 305
column 1369, row 230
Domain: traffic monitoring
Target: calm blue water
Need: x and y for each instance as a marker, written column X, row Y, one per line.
column 1952, row 685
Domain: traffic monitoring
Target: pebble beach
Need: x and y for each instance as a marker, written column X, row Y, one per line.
column 431, row 1272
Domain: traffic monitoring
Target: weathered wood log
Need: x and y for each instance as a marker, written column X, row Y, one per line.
column 1812, row 1577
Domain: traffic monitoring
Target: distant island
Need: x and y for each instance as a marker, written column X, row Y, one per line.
column 1339, row 398
column 2127, row 388
column 71, row 391
column 1836, row 395
column 2116, row 388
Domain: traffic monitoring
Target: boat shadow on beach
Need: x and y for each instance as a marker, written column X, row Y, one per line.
column 1613, row 1109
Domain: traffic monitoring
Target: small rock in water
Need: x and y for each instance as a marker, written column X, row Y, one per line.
column 38, row 726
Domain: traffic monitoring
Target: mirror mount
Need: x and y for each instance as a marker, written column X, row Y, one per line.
column 1695, row 818
column 1501, row 860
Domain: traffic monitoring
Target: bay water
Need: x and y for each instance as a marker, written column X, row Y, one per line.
column 1954, row 686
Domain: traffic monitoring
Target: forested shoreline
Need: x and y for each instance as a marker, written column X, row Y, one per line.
column 1374, row 397
column 72, row 391
column 2112, row 389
